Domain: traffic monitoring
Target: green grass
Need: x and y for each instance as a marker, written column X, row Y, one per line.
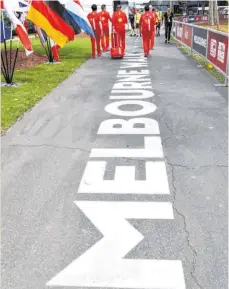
column 203, row 63
column 38, row 81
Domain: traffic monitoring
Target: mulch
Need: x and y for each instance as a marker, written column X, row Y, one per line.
column 34, row 59
column 23, row 61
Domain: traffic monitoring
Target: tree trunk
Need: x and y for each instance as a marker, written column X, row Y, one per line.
column 216, row 15
column 203, row 7
column 171, row 5
column 211, row 13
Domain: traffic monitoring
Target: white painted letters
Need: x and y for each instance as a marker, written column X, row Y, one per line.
column 146, row 108
column 131, row 85
column 124, row 181
column 131, row 94
column 131, row 126
column 103, row 265
column 153, row 149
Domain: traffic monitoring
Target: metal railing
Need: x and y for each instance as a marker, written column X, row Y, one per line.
column 210, row 44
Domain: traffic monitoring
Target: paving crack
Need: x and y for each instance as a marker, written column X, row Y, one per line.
column 187, row 233
column 49, row 145
column 199, row 167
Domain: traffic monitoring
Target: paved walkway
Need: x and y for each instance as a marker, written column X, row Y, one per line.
column 52, row 214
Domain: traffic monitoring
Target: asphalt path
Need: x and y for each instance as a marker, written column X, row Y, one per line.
column 55, row 213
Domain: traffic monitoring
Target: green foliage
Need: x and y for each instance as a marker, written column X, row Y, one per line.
column 38, row 81
column 204, row 64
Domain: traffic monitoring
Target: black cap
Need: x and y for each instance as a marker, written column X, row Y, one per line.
column 103, row 6
column 94, row 7
column 147, row 8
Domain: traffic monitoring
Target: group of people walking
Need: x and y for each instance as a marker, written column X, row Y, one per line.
column 135, row 16
column 145, row 24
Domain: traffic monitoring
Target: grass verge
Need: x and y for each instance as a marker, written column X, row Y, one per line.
column 222, row 27
column 38, row 81
column 205, row 64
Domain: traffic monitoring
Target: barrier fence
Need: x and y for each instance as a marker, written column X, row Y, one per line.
column 223, row 16
column 208, row 43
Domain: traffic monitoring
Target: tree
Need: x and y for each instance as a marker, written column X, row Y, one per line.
column 216, row 14
column 203, row 7
column 211, row 13
column 213, row 17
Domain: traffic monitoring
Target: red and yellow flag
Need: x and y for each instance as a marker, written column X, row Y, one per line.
column 54, row 26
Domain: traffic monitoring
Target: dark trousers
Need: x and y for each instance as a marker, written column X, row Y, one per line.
column 168, row 29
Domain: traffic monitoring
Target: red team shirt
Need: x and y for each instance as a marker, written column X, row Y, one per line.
column 147, row 21
column 119, row 20
column 105, row 17
column 94, row 19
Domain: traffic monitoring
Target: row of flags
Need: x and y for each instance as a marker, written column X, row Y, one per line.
column 60, row 20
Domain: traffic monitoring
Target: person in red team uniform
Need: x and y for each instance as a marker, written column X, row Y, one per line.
column 119, row 21
column 105, row 18
column 154, row 16
column 94, row 19
column 147, row 23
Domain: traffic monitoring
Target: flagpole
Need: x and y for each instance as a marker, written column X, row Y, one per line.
column 11, row 35
column 6, row 56
column 16, row 54
column 49, row 50
column 3, row 67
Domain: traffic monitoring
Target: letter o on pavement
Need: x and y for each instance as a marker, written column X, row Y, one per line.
column 145, row 108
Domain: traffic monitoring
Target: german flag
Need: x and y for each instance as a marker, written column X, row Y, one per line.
column 59, row 9
column 54, row 26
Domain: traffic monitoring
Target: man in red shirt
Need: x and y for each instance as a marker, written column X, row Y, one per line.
column 154, row 16
column 105, row 18
column 94, row 19
column 119, row 21
column 147, row 23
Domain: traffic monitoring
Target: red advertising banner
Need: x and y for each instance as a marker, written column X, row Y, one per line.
column 218, row 50
column 201, row 19
column 187, row 35
column 179, row 28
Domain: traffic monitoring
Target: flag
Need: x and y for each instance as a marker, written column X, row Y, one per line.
column 1, row 4
column 76, row 10
column 5, row 31
column 19, row 27
column 55, row 53
column 43, row 38
column 42, row 35
column 53, row 25
column 23, row 4
column 59, row 9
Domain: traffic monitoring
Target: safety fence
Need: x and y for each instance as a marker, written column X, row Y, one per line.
column 223, row 16
column 212, row 45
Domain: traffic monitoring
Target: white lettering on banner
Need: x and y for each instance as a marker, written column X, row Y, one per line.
column 131, row 85
column 213, row 48
column 153, row 149
column 146, row 108
column 103, row 265
column 221, row 52
column 200, row 41
column 131, row 94
column 121, row 126
column 130, row 72
column 124, row 182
